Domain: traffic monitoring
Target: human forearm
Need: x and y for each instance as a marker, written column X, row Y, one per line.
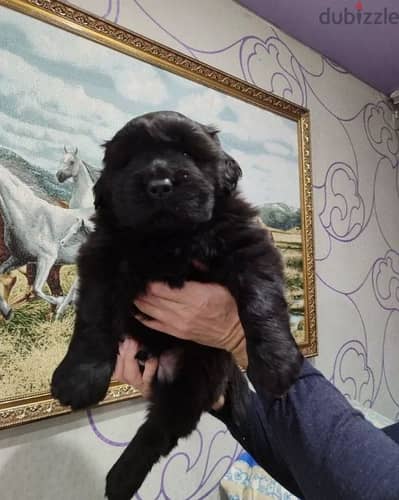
column 251, row 434
column 330, row 449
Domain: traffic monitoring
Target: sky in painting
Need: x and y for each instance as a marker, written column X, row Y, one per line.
column 59, row 89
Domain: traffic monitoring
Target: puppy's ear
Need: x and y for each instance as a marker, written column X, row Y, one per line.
column 230, row 174
column 116, row 152
column 116, row 155
column 100, row 193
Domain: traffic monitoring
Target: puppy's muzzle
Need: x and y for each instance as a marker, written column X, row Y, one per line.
column 160, row 189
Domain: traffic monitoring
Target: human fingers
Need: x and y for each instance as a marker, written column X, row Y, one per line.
column 218, row 405
column 155, row 307
column 131, row 371
column 206, row 313
column 151, row 314
column 179, row 307
column 172, row 319
column 167, row 328
column 150, row 370
column 120, row 360
column 164, row 291
column 190, row 293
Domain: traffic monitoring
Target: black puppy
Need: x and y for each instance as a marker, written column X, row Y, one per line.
column 167, row 197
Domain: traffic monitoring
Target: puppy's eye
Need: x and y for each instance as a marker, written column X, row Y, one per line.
column 185, row 176
column 187, row 155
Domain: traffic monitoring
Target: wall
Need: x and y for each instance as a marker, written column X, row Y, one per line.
column 356, row 199
column 67, row 458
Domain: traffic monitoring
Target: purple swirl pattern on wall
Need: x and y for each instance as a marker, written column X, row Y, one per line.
column 257, row 56
column 382, row 137
column 343, row 213
column 207, row 472
column 386, row 280
column 360, row 388
column 102, row 437
column 356, row 198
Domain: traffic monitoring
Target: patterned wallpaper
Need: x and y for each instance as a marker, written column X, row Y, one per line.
column 356, row 198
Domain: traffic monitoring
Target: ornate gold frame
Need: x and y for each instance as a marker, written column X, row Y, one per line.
column 23, row 410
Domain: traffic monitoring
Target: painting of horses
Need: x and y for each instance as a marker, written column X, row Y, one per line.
column 61, row 97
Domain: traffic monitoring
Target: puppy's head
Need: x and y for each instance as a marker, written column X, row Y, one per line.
column 164, row 170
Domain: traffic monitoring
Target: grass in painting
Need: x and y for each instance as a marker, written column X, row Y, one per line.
column 289, row 243
column 32, row 342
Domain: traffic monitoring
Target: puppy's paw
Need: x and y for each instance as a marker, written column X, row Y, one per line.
column 273, row 372
column 121, row 483
column 83, row 384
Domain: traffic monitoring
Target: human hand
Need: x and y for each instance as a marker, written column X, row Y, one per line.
column 127, row 369
column 205, row 313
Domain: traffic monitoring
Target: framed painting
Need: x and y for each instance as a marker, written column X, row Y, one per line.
column 68, row 82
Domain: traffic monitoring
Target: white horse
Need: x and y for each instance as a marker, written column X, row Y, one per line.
column 78, row 232
column 33, row 229
column 84, row 177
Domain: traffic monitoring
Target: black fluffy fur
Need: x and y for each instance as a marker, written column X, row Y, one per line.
column 139, row 239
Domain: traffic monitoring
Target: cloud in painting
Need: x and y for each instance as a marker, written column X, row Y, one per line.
column 265, row 179
column 44, row 145
column 247, row 123
column 52, row 94
column 129, row 83
column 281, row 148
column 57, row 88
column 78, row 54
column 51, row 111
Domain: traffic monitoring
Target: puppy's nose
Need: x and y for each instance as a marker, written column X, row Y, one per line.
column 160, row 188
